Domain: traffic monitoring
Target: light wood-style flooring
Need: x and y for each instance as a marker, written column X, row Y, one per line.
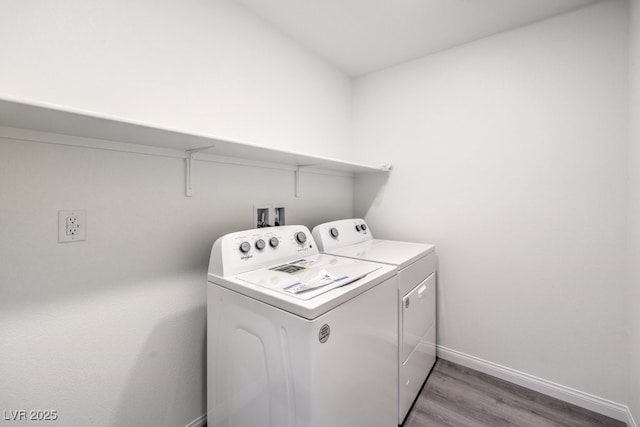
column 456, row 396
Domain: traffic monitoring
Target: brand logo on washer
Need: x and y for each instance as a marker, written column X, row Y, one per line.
column 324, row 333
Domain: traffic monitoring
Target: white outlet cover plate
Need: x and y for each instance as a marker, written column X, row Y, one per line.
column 79, row 233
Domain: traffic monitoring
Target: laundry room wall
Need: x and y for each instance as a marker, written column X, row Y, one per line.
column 202, row 66
column 509, row 154
column 111, row 331
column 634, row 207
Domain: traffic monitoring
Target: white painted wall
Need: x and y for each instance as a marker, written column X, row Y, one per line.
column 509, row 155
column 111, row 331
column 634, row 207
column 201, row 66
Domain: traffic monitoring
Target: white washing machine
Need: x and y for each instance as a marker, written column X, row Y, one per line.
column 416, row 296
column 297, row 338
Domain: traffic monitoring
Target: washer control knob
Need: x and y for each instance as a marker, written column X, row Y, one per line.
column 260, row 244
column 358, row 228
column 274, row 242
column 245, row 247
column 334, row 232
column 363, row 226
column 301, row 237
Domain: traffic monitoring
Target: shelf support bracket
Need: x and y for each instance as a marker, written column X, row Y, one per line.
column 189, row 157
column 297, row 181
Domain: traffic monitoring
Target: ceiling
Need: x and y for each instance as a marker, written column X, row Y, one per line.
column 362, row 36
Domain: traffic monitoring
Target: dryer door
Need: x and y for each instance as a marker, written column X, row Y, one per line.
column 418, row 342
column 418, row 315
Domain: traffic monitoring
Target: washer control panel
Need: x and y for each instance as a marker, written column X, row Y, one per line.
column 242, row 251
column 338, row 234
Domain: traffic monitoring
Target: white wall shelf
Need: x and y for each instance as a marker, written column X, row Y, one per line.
column 22, row 114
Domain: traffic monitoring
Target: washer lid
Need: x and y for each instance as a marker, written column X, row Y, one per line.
column 392, row 252
column 269, row 284
column 307, row 278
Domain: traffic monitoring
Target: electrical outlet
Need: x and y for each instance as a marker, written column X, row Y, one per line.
column 72, row 226
column 269, row 215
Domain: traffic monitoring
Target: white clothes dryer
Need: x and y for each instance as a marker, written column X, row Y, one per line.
column 297, row 338
column 416, row 296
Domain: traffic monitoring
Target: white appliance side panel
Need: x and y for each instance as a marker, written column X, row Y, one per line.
column 355, row 372
column 417, row 342
column 249, row 372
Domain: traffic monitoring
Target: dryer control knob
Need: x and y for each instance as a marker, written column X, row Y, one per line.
column 260, row 244
column 301, row 237
column 245, row 247
column 358, row 227
column 274, row 242
column 363, row 226
column 334, row 232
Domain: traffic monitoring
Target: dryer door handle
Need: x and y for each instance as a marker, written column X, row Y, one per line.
column 422, row 291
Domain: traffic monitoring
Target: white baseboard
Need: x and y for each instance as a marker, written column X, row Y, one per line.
column 567, row 394
column 201, row 421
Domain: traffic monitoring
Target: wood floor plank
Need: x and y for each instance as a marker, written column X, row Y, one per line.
column 520, row 397
column 486, row 405
column 456, row 396
column 513, row 403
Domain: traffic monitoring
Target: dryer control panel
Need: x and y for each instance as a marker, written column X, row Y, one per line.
column 341, row 233
column 247, row 250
